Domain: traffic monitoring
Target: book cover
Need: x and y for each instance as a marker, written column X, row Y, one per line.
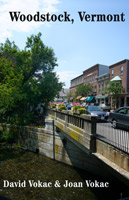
column 46, row 46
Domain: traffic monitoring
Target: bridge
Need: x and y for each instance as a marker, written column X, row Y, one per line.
column 80, row 141
column 102, row 146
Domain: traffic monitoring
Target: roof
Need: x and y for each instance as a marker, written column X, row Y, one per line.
column 119, row 63
column 94, row 66
column 99, row 96
column 77, row 77
column 90, row 99
column 83, row 98
column 78, row 97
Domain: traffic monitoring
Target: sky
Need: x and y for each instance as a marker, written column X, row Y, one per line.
column 78, row 45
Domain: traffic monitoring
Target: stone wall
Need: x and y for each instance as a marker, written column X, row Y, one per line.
column 113, row 154
column 68, row 147
column 55, row 144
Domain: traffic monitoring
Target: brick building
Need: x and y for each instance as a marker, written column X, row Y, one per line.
column 120, row 71
column 76, row 82
column 90, row 76
column 98, row 75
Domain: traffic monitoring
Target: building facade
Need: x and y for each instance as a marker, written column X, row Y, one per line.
column 90, row 76
column 75, row 82
column 99, row 75
column 62, row 96
column 120, row 70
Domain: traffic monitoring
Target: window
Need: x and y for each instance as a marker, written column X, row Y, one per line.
column 121, row 70
column 112, row 72
column 99, row 88
column 122, row 111
column 128, row 112
column 106, row 84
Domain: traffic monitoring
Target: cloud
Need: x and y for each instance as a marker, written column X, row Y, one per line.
column 25, row 7
column 66, row 76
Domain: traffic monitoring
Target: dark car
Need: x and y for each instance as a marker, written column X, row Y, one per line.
column 98, row 112
column 120, row 117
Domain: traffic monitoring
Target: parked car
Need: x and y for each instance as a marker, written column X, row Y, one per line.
column 98, row 112
column 120, row 117
column 105, row 107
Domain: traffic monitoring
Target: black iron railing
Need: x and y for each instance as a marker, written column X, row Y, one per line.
column 118, row 137
column 104, row 131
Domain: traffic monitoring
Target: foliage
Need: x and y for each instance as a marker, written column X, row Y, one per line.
column 7, row 136
column 61, row 107
column 82, row 110
column 52, row 105
column 76, row 107
column 69, row 95
column 114, row 88
column 79, row 108
column 26, row 79
column 83, row 90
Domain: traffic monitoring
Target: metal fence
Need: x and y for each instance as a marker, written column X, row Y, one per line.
column 76, row 120
column 118, row 137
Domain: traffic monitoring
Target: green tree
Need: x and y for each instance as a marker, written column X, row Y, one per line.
column 26, row 79
column 83, row 90
column 113, row 88
column 69, row 95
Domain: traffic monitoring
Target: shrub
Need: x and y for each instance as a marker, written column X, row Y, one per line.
column 61, row 107
column 52, row 105
column 78, row 108
column 82, row 110
column 7, row 136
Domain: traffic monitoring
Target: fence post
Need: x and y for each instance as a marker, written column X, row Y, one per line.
column 93, row 133
column 53, row 139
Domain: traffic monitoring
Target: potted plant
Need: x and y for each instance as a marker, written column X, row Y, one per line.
column 52, row 105
column 61, row 107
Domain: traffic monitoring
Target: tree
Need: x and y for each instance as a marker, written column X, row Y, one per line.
column 69, row 95
column 26, row 79
column 83, row 90
column 114, row 88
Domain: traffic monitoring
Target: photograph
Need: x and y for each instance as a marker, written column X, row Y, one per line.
column 64, row 100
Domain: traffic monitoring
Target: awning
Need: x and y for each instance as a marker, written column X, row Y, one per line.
column 90, row 99
column 116, row 78
column 101, row 96
column 83, row 98
column 78, row 97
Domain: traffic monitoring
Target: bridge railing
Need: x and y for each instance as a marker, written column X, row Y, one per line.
column 118, row 137
column 80, row 121
column 99, row 139
column 80, row 128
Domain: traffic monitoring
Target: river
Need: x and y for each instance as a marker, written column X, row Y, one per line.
column 29, row 176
